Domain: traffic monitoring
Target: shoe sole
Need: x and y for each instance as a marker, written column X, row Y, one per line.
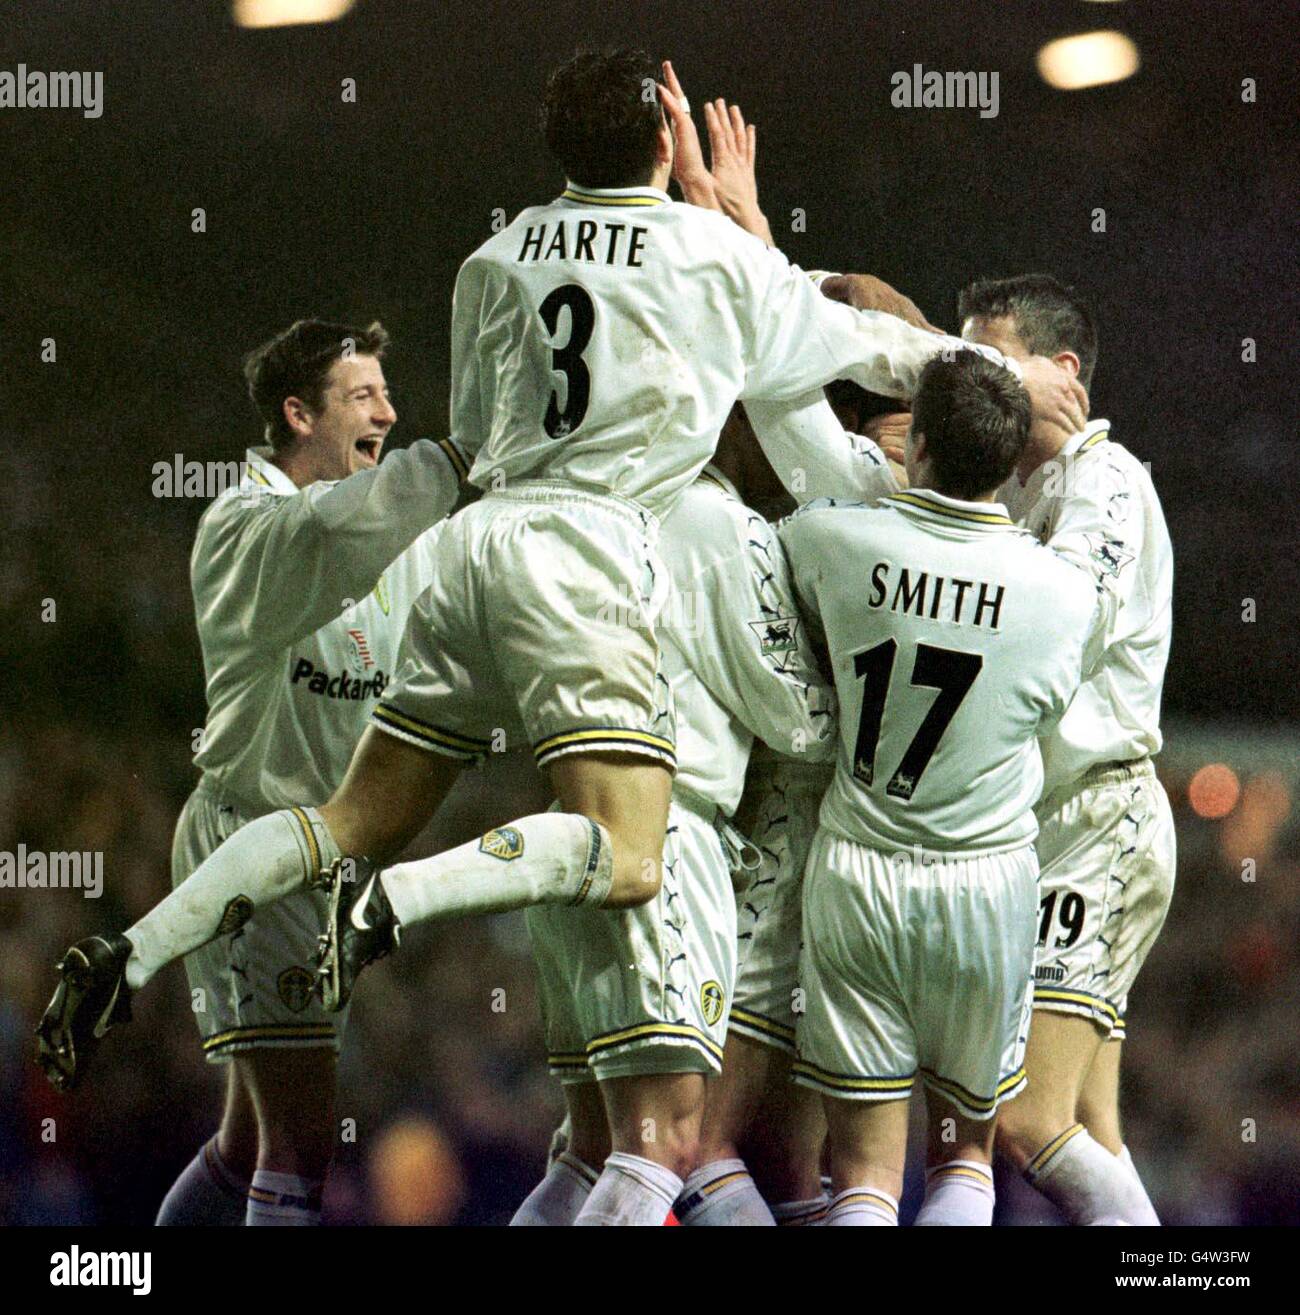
column 54, row 1033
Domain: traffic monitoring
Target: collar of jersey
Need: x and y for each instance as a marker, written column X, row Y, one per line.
column 614, row 196
column 940, row 507
column 712, row 475
column 263, row 472
column 1094, row 432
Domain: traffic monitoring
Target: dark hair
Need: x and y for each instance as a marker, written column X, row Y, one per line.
column 1049, row 317
column 975, row 419
column 294, row 364
column 848, row 395
column 601, row 117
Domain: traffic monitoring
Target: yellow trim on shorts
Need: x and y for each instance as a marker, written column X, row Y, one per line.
column 312, row 847
column 1051, row 1150
column 1094, row 1003
column 270, row 1032
column 767, row 1026
column 604, row 736
column 985, row 1104
column 435, row 737
column 566, row 1060
column 648, row 1031
column 898, row 1087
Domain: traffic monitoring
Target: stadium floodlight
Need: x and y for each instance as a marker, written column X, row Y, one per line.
column 1088, row 60
column 286, row 13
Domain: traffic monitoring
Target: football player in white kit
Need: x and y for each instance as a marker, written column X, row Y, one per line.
column 598, row 343
column 762, row 1136
column 1106, row 842
column 955, row 639
column 303, row 576
column 640, row 997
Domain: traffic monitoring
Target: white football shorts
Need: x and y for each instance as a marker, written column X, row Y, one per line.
column 1107, row 853
column 916, row 967
column 539, row 623
column 783, row 798
column 252, row 989
column 646, row 990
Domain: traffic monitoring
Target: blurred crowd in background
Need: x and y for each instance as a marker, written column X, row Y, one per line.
column 124, row 324
column 445, row 1105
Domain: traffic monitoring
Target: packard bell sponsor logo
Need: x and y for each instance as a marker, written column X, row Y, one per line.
column 341, row 686
column 62, row 90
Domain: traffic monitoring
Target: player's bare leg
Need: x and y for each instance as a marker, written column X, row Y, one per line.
column 605, row 848
column 558, row 1199
column 654, row 1127
column 629, row 796
column 213, row 1188
column 868, row 1145
column 1099, row 1112
column 959, row 1168
column 760, row 1141
column 1041, row 1132
column 1098, row 1103
column 293, row 1096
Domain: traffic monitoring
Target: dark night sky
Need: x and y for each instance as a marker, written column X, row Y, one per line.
column 365, row 210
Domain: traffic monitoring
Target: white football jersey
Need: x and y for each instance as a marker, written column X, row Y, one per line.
column 814, row 456
column 1095, row 503
column 601, row 340
column 955, row 639
column 301, row 597
column 734, row 648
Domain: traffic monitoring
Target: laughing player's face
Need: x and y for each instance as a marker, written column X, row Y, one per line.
column 347, row 431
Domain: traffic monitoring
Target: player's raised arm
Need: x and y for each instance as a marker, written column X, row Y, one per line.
column 690, row 173
column 813, row 455
column 276, row 568
column 733, row 152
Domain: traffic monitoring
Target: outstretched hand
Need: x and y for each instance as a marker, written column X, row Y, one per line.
column 1059, row 400
column 866, row 292
column 689, row 169
column 733, row 149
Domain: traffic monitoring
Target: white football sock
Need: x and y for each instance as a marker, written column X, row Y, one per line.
column 1146, row 1208
column 631, row 1192
column 558, row 1198
column 958, row 1193
column 206, row 1193
column 802, row 1214
column 548, row 858
column 722, row 1195
column 863, row 1207
column 1085, row 1181
column 283, row 1200
column 259, row 864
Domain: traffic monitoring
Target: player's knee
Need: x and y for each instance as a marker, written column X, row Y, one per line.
column 1024, row 1128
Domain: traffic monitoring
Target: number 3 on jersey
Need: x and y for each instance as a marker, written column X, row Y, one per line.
column 567, row 359
column 949, row 671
